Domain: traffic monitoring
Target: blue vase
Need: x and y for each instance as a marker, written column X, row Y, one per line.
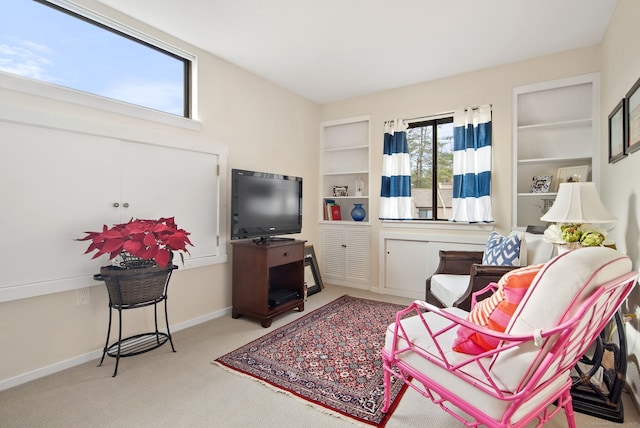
column 358, row 213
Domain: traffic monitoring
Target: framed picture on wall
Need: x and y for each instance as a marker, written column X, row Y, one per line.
column 632, row 114
column 617, row 133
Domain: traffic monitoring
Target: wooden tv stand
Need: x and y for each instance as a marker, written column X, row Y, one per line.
column 263, row 268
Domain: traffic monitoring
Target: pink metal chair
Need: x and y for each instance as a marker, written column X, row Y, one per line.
column 527, row 377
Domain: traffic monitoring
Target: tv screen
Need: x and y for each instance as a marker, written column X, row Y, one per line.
column 264, row 205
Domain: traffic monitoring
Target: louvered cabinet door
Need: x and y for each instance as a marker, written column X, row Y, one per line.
column 333, row 254
column 357, row 252
column 346, row 255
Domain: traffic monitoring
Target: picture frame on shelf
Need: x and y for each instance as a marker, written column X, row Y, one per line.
column 340, row 190
column 617, row 133
column 312, row 279
column 632, row 115
column 541, row 183
column 572, row 174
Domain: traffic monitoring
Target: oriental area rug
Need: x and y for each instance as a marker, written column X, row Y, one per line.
column 330, row 357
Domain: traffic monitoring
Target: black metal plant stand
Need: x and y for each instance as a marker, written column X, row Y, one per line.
column 131, row 289
column 603, row 401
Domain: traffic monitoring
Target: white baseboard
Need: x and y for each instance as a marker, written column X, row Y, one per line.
column 81, row 359
column 199, row 320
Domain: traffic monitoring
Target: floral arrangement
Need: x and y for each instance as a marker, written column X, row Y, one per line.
column 145, row 239
column 575, row 235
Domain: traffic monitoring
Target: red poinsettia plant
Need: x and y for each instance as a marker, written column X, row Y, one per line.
column 145, row 239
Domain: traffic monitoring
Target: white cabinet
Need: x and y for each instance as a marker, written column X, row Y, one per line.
column 160, row 181
column 346, row 255
column 344, row 162
column 407, row 264
column 407, row 260
column 555, row 126
column 58, row 183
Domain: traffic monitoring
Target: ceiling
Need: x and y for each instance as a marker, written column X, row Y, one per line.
column 328, row 50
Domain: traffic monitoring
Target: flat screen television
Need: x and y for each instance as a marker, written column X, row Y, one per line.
column 264, row 205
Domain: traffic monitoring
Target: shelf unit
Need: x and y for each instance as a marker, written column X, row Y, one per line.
column 555, row 125
column 345, row 158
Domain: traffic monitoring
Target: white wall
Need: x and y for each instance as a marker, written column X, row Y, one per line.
column 620, row 181
column 490, row 86
column 262, row 126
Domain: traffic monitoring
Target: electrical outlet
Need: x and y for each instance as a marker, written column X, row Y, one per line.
column 83, row 296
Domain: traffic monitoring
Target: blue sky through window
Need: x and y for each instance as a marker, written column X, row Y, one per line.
column 42, row 43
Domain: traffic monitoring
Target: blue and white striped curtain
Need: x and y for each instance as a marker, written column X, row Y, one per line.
column 395, row 192
column 472, row 165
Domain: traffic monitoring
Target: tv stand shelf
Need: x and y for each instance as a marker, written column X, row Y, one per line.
column 263, row 268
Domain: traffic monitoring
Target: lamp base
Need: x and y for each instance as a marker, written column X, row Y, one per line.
column 591, row 404
column 610, row 359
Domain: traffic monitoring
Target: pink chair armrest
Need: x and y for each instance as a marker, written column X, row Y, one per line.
column 489, row 289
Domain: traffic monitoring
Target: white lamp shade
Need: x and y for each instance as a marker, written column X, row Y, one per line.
column 578, row 203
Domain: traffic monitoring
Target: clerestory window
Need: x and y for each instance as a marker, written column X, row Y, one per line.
column 58, row 43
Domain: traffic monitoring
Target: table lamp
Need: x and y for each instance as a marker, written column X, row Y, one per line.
column 575, row 208
column 577, row 204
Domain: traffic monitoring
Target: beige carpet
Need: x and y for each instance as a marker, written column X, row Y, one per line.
column 163, row 389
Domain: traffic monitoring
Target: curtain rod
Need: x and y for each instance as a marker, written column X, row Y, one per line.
column 430, row 117
column 436, row 116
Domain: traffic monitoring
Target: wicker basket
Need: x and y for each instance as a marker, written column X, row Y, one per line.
column 133, row 262
column 129, row 287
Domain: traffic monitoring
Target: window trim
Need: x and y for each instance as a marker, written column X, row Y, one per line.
column 122, row 28
column 439, row 225
column 13, row 82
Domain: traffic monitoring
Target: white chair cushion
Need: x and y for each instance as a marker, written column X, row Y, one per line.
column 474, row 396
column 538, row 250
column 449, row 288
column 416, row 333
column 552, row 291
column 533, row 250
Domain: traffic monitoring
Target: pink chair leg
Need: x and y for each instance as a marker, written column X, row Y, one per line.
column 387, row 384
column 568, row 409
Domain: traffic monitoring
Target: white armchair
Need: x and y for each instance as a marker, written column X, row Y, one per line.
column 526, row 377
column 461, row 273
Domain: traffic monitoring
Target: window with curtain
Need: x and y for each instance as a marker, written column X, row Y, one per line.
column 438, row 168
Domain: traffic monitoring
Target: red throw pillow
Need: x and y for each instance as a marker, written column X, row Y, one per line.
column 496, row 311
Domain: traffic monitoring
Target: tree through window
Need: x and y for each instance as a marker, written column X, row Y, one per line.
column 428, row 204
